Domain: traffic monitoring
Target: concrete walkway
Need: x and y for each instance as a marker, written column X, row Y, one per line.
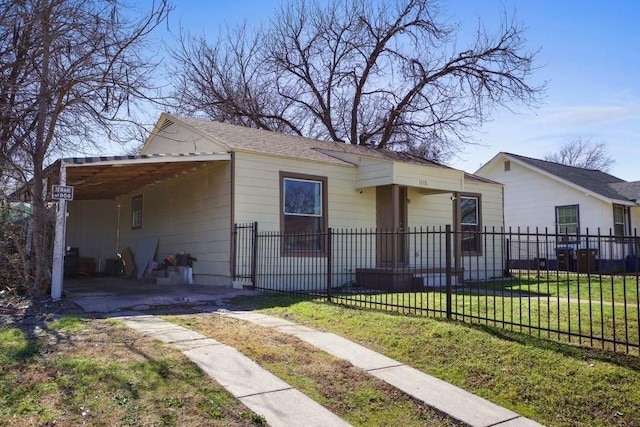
column 444, row 397
column 282, row 405
column 262, row 392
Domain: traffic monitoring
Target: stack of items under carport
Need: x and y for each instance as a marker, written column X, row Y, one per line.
column 175, row 270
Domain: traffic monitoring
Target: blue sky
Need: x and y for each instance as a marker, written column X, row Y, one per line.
column 590, row 57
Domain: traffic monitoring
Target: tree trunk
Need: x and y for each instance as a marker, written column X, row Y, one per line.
column 42, row 274
column 41, row 247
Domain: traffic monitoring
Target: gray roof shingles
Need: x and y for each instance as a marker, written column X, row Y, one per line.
column 597, row 181
column 280, row 144
column 629, row 189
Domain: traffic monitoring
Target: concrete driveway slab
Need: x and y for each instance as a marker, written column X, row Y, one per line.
column 113, row 294
column 459, row 404
column 279, row 409
column 261, row 391
column 446, row 398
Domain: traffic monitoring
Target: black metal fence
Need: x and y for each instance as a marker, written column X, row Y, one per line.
column 584, row 289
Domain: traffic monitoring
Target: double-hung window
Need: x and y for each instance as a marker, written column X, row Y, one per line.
column 136, row 212
column 303, row 214
column 470, row 225
column 619, row 221
column 568, row 222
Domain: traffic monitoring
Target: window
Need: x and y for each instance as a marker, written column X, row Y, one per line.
column 619, row 220
column 136, row 212
column 567, row 221
column 304, row 212
column 470, row 224
column 507, row 165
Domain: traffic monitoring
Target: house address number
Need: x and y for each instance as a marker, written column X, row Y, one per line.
column 423, row 182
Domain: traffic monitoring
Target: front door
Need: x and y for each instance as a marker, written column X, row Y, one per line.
column 391, row 221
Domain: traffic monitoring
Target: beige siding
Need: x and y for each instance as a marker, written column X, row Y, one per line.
column 491, row 262
column 92, row 227
column 374, row 172
column 428, row 178
column 436, row 211
column 257, row 198
column 180, row 139
column 190, row 213
column 492, row 210
column 257, row 191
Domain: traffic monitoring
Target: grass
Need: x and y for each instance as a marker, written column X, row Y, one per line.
column 553, row 383
column 560, row 284
column 349, row 392
column 605, row 325
column 95, row 372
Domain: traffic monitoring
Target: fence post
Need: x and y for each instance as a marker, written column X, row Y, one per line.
column 329, row 263
column 507, row 258
column 448, row 267
column 234, row 252
column 254, row 254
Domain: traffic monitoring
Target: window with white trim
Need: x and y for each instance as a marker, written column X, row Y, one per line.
column 568, row 221
column 619, row 220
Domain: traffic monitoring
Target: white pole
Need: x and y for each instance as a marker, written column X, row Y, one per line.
column 59, row 240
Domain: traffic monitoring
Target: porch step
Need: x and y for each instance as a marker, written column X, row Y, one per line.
column 433, row 280
column 406, row 279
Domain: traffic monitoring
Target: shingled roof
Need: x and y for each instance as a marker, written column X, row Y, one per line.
column 629, row 189
column 275, row 143
column 593, row 180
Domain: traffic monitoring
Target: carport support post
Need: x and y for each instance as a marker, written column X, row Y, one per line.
column 58, row 243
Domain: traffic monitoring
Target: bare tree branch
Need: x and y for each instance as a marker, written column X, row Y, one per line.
column 377, row 73
column 583, row 153
column 67, row 69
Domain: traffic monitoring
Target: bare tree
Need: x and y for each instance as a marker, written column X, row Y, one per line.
column 583, row 153
column 377, row 73
column 68, row 69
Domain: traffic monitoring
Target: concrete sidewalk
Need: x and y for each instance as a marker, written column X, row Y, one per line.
column 263, row 393
column 282, row 405
column 444, row 397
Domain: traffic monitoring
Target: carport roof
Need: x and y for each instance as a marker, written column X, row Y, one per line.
column 95, row 178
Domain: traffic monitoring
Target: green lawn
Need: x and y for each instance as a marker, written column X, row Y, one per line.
column 613, row 289
column 97, row 373
column 590, row 323
column 551, row 382
column 347, row 391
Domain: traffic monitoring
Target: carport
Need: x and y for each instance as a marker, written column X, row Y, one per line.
column 105, row 178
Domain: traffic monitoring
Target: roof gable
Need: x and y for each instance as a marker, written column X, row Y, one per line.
column 600, row 183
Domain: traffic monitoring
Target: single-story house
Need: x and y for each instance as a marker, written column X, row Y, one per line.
column 219, row 175
column 576, row 204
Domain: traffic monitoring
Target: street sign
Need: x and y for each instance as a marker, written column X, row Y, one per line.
column 61, row 192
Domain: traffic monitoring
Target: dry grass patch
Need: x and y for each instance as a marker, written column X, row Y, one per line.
column 97, row 372
column 344, row 389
